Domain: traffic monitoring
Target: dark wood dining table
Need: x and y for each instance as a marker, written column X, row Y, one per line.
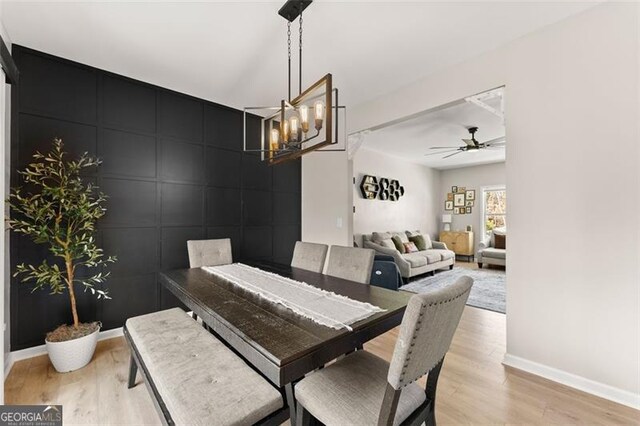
column 280, row 344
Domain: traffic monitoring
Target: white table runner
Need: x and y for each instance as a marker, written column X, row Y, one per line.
column 321, row 306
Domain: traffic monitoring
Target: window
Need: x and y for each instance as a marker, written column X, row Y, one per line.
column 494, row 213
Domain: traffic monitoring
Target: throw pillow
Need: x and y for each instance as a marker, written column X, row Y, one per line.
column 398, row 243
column 377, row 237
column 410, row 247
column 402, row 236
column 501, row 241
column 388, row 243
column 418, row 241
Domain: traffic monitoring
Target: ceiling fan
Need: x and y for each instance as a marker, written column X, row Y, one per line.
column 471, row 145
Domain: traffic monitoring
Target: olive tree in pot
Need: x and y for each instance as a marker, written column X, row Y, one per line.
column 61, row 212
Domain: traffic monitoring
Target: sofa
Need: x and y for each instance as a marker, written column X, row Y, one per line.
column 488, row 253
column 436, row 255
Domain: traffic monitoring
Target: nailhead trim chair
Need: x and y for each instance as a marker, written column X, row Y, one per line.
column 351, row 263
column 209, row 252
column 362, row 389
column 309, row 256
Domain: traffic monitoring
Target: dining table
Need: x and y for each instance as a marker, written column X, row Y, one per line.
column 280, row 344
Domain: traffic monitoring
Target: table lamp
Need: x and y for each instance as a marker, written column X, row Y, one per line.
column 446, row 219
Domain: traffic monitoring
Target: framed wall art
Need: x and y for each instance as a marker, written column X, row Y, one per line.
column 471, row 194
column 448, row 205
column 458, row 200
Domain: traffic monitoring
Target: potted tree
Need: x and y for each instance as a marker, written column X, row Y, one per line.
column 61, row 211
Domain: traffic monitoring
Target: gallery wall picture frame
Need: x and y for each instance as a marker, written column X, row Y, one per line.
column 458, row 200
column 450, row 196
column 468, row 210
column 471, row 194
column 454, row 189
column 469, row 203
column 462, row 190
column 448, row 205
column 456, row 210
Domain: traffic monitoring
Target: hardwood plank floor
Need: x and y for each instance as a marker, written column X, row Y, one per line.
column 474, row 388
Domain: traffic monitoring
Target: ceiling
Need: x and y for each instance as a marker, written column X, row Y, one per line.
column 234, row 53
column 410, row 140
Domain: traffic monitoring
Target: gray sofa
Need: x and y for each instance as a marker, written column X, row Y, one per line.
column 437, row 256
column 488, row 254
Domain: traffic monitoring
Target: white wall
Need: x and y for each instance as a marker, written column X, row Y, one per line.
column 417, row 209
column 573, row 113
column 327, row 198
column 474, row 177
column 5, row 120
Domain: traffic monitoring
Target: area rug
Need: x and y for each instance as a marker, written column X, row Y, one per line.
column 488, row 291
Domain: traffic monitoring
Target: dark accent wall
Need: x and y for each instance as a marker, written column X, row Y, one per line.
column 173, row 169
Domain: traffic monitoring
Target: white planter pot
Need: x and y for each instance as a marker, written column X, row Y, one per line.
column 72, row 354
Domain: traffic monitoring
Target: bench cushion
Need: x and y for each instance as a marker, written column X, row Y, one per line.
column 200, row 380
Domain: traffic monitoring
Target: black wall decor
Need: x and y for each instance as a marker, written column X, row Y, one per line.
column 173, row 169
column 383, row 189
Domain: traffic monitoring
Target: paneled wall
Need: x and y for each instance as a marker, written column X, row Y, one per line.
column 173, row 169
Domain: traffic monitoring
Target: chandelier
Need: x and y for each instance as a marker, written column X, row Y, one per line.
column 297, row 125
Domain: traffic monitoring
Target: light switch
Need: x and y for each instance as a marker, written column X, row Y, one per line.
column 339, row 222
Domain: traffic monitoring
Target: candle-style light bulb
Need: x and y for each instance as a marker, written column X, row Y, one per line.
column 275, row 139
column 285, row 131
column 294, row 125
column 304, row 118
column 318, row 112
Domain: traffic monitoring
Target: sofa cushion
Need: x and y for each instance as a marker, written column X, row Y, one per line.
column 431, row 257
column 416, row 260
column 443, row 254
column 377, row 237
column 495, row 253
column 398, row 243
column 501, row 241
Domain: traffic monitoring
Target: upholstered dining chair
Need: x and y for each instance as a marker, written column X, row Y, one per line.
column 209, row 252
column 309, row 256
column 351, row 263
column 362, row 389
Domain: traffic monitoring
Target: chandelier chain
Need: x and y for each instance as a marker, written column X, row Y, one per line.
column 289, row 57
column 300, row 48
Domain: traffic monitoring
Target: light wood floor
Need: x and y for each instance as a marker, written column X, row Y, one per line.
column 474, row 387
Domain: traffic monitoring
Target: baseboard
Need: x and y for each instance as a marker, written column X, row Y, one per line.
column 602, row 390
column 16, row 356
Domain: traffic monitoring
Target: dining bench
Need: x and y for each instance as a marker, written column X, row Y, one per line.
column 193, row 378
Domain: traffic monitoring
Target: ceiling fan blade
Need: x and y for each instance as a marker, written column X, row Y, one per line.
column 441, row 152
column 469, row 142
column 451, row 155
column 495, row 141
column 444, row 147
column 496, row 144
